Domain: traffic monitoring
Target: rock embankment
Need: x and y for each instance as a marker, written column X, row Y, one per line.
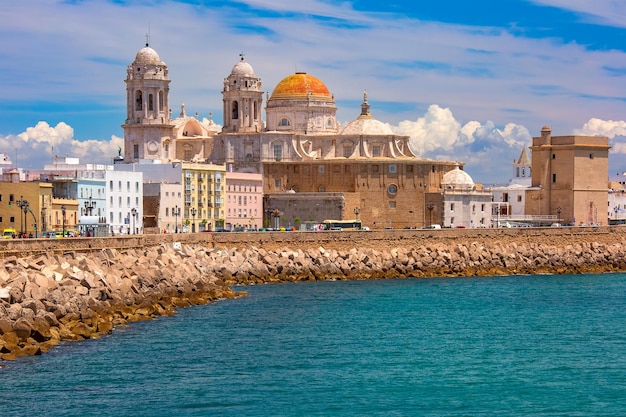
column 50, row 298
column 47, row 299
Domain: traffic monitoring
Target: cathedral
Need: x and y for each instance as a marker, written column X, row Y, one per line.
column 299, row 149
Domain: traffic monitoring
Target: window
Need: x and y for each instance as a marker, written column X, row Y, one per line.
column 320, row 169
column 111, row 185
column 451, row 206
column 278, row 151
column 519, row 198
column 376, row 151
column 393, row 169
column 392, row 204
column 482, row 207
column 392, row 189
column 553, row 156
column 235, row 111
column 553, row 178
column 347, row 151
column 135, row 151
column 139, row 100
column 284, row 122
column 277, row 184
column 473, row 208
column 590, row 156
column 127, row 185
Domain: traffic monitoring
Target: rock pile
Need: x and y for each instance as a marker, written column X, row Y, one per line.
column 49, row 298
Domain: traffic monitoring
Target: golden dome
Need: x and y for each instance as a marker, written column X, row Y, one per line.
column 300, row 85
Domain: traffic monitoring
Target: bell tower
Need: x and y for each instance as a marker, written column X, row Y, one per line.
column 147, row 128
column 243, row 100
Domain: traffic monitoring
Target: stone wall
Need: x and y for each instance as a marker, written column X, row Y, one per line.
column 70, row 289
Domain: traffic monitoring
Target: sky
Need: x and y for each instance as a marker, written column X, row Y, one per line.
column 468, row 81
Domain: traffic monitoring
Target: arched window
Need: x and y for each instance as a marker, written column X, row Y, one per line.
column 284, row 122
column 150, row 102
column 138, row 100
column 254, row 109
column 235, row 110
column 161, row 104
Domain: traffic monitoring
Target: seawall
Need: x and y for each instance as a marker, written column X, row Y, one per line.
column 72, row 289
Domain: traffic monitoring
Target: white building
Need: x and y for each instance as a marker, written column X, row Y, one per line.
column 510, row 200
column 464, row 205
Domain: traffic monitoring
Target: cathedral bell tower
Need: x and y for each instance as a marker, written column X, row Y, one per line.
column 243, row 100
column 147, row 128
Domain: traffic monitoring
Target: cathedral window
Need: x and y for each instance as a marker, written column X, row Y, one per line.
column 347, row 151
column 235, row 110
column 150, row 102
column 376, row 151
column 278, row 151
column 392, row 189
column 161, row 103
column 139, row 100
column 393, row 169
column 135, row 151
column 284, row 122
column 320, row 169
column 254, row 109
column 188, row 154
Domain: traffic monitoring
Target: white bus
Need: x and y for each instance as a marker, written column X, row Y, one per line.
column 341, row 225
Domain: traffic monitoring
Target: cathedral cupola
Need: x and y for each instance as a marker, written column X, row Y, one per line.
column 243, row 99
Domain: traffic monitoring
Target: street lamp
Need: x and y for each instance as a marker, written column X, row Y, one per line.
column 134, row 213
column 176, row 213
column 276, row 214
column 193, row 214
column 24, row 206
column 430, row 207
column 89, row 206
column 63, row 209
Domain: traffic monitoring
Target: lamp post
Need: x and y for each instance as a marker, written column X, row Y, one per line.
column 89, row 206
column 134, row 213
column 276, row 214
column 24, row 206
column 176, row 213
column 63, row 210
column 430, row 207
column 194, row 211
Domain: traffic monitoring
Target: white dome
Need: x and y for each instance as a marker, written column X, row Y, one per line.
column 366, row 126
column 242, row 68
column 457, row 177
column 147, row 55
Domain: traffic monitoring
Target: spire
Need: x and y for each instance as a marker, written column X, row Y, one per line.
column 365, row 107
column 524, row 159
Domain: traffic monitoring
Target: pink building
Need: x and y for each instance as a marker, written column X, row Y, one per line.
column 244, row 201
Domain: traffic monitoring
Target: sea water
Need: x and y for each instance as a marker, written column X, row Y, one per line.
column 495, row 346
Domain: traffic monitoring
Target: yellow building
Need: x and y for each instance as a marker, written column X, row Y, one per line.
column 203, row 196
column 26, row 207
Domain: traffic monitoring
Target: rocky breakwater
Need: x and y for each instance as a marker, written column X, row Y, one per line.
column 46, row 299
column 470, row 258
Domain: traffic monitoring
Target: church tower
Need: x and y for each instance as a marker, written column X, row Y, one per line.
column 523, row 169
column 147, row 128
column 243, row 100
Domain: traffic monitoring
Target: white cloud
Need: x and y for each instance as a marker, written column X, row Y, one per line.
column 37, row 145
column 437, row 129
column 599, row 127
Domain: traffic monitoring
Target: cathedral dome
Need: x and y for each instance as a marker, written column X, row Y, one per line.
column 301, row 85
column 147, row 55
column 365, row 124
column 457, row 178
column 243, row 69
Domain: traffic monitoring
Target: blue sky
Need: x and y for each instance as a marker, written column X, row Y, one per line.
column 467, row 81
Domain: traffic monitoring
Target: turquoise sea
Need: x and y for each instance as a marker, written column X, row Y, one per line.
column 496, row 346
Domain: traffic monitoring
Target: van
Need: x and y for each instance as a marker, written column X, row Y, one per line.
column 9, row 233
column 432, row 226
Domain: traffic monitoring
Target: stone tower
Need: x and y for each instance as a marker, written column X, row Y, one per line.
column 243, row 100
column 148, row 127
